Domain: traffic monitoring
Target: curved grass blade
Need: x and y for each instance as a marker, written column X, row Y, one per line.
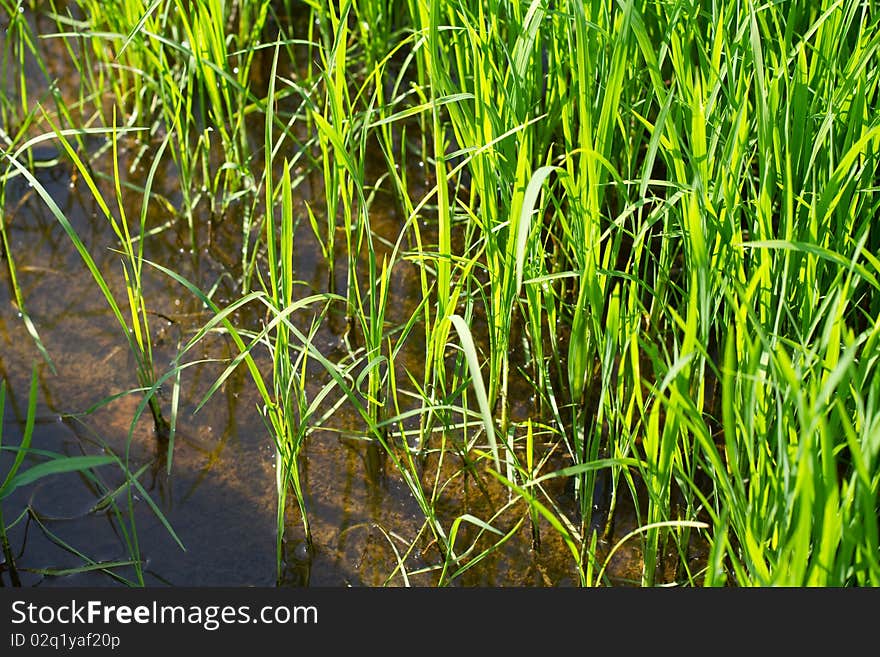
column 470, row 352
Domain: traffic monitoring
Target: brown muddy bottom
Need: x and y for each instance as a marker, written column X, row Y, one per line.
column 215, row 486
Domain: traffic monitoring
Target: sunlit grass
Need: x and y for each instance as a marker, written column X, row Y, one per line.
column 657, row 217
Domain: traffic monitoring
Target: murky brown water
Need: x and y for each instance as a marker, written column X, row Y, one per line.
column 220, row 494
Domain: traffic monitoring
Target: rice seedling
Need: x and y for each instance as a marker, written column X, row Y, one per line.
column 137, row 331
column 655, row 217
column 180, row 72
column 714, row 162
column 50, row 464
column 17, row 122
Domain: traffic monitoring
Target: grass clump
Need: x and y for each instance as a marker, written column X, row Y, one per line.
column 654, row 220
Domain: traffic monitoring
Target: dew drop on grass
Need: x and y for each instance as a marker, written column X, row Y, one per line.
column 235, row 70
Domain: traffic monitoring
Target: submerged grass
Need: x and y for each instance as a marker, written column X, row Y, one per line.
column 658, row 218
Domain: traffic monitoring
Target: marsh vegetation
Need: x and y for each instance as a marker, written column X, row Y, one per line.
column 581, row 292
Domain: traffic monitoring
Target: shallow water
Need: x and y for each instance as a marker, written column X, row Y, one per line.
column 218, row 492
column 220, row 495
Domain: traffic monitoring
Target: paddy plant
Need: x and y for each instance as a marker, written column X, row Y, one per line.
column 16, row 478
column 177, row 70
column 21, row 107
column 655, row 218
column 32, row 464
column 664, row 166
column 747, row 218
column 136, row 328
column 343, row 127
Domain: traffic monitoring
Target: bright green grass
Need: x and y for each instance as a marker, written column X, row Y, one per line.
column 661, row 215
